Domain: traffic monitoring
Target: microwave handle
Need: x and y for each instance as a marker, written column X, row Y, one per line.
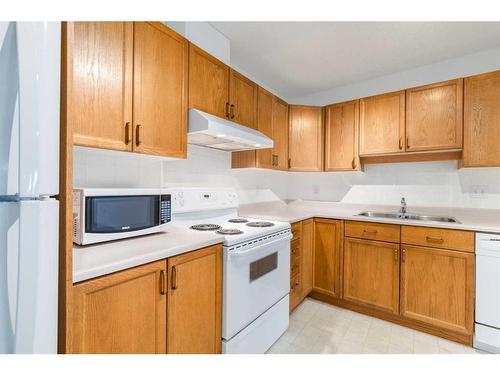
column 244, row 253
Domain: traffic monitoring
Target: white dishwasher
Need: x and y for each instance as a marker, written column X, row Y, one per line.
column 487, row 327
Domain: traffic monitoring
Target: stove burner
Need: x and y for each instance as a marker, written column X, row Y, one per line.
column 205, row 227
column 229, row 231
column 238, row 220
column 260, row 224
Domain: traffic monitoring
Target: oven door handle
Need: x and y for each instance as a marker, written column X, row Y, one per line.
column 244, row 253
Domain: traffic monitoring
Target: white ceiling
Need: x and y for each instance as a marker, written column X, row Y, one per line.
column 300, row 58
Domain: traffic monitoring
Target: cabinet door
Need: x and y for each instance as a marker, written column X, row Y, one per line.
column 195, row 302
column 280, row 134
column 371, row 274
column 327, row 257
column 306, row 138
column 434, row 116
column 481, row 120
column 382, row 124
column 341, row 136
column 437, row 287
column 265, row 105
column 243, row 159
column 121, row 313
column 307, row 253
column 98, row 78
column 243, row 100
column 208, row 83
column 160, row 90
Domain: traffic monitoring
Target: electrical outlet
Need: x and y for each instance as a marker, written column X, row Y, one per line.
column 479, row 192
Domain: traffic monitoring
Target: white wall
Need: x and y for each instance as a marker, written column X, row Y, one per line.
column 481, row 62
column 206, row 37
column 426, row 183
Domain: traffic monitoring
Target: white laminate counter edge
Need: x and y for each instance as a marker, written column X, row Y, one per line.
column 103, row 259
column 477, row 220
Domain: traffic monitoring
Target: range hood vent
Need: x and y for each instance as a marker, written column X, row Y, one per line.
column 214, row 132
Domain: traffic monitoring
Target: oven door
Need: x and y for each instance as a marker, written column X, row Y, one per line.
column 254, row 280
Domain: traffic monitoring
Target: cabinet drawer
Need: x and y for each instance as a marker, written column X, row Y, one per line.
column 437, row 237
column 297, row 230
column 372, row 231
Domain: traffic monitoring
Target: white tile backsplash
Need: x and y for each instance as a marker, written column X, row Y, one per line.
column 422, row 184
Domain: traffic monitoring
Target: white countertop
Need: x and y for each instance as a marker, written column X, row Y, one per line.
column 101, row 259
column 473, row 219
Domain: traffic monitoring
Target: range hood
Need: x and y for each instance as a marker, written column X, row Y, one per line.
column 214, row 132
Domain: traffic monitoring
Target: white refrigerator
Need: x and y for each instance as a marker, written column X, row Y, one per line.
column 29, row 179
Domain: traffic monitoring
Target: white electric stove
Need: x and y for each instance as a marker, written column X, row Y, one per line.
column 256, row 266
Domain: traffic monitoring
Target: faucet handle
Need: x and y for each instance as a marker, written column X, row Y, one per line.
column 403, row 200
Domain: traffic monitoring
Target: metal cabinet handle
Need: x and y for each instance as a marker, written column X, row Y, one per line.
column 174, row 278
column 163, row 281
column 353, row 164
column 231, row 112
column 403, row 257
column 275, row 161
column 370, row 231
column 138, row 135
column 400, row 144
column 127, row 133
column 407, row 142
column 226, row 112
column 289, row 162
column 396, row 255
column 434, row 239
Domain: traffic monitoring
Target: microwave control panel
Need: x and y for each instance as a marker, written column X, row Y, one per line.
column 165, row 209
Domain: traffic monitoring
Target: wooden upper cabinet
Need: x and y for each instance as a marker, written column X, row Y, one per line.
column 98, row 78
column 124, row 312
column 243, row 159
column 208, row 83
column 434, row 116
column 382, row 124
column 265, row 115
column 306, row 138
column 194, row 314
column 437, row 287
column 341, row 136
column 160, row 90
column 242, row 100
column 371, row 274
column 482, row 121
column 280, row 134
column 327, row 257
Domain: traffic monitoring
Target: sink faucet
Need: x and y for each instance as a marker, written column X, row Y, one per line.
column 402, row 208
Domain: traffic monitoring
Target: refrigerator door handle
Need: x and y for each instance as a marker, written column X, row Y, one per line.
column 36, row 316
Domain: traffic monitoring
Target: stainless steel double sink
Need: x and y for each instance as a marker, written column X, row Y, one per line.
column 408, row 216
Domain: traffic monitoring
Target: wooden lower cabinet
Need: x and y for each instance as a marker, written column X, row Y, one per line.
column 301, row 261
column 195, row 302
column 327, row 257
column 307, row 247
column 437, row 287
column 122, row 313
column 146, row 309
column 371, row 274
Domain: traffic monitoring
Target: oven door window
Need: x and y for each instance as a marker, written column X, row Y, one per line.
column 121, row 213
column 263, row 266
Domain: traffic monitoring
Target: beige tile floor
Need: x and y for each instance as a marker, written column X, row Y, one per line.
column 320, row 328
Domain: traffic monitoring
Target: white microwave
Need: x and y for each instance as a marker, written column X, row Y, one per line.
column 111, row 214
